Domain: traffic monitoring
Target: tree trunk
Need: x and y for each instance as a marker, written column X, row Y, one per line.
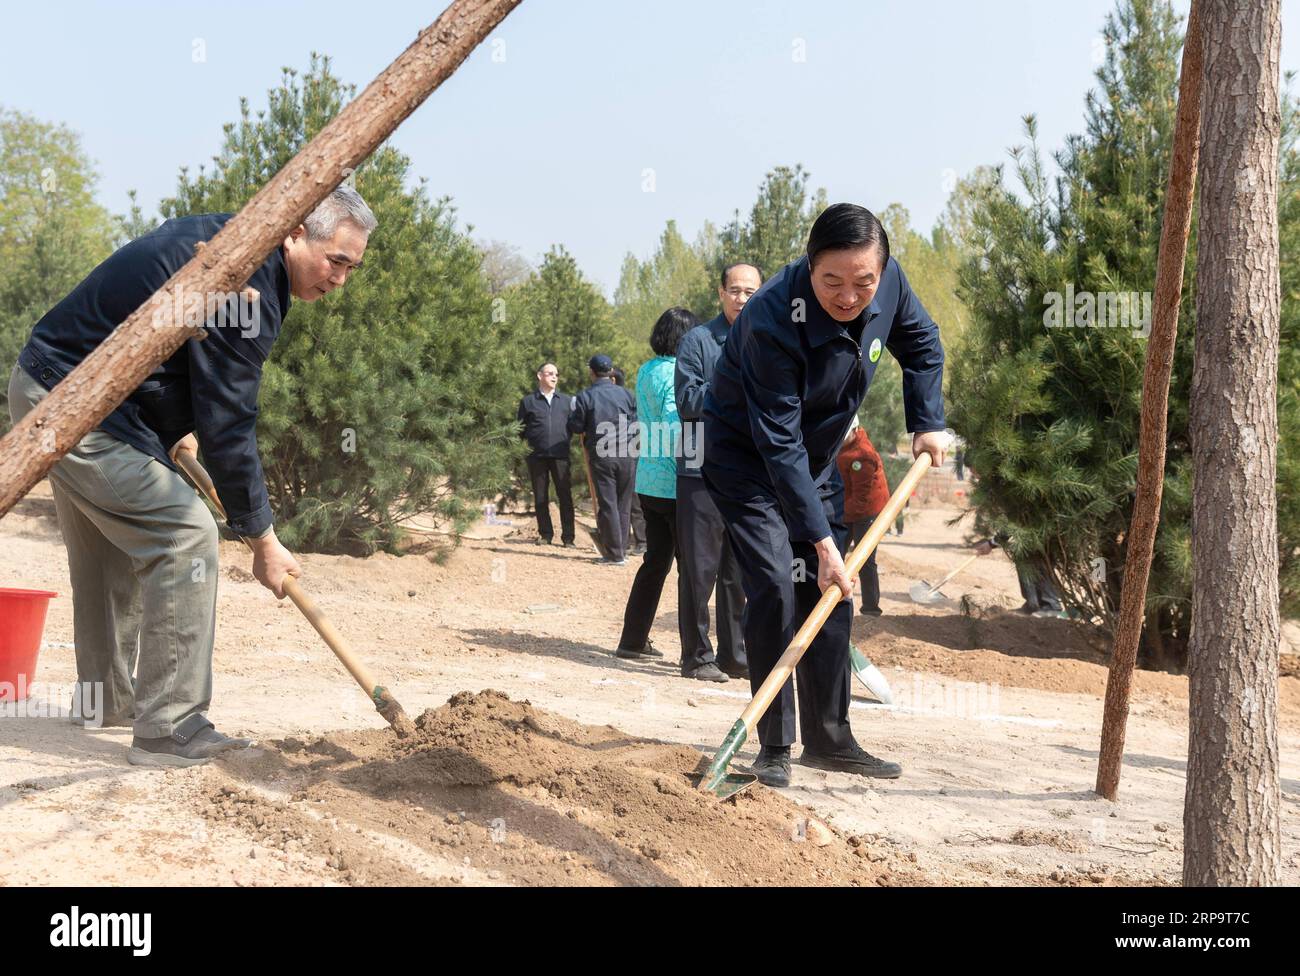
column 1139, row 544
column 1231, row 815
column 153, row 332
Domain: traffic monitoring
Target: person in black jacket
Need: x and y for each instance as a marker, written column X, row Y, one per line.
column 544, row 416
column 142, row 546
column 605, row 414
column 791, row 378
column 704, row 553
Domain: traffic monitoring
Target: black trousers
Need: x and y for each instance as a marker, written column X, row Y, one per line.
column 661, row 548
column 869, row 578
column 615, row 480
column 705, row 559
column 638, row 522
column 542, row 471
column 1036, row 587
column 780, row 581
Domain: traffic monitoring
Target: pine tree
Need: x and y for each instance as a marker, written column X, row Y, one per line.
column 393, row 397
column 776, row 231
column 1051, row 414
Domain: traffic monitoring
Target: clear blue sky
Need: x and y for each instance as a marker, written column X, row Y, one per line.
column 549, row 144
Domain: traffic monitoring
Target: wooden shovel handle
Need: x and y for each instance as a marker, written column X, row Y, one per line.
column 190, row 465
column 821, row 613
column 964, row 563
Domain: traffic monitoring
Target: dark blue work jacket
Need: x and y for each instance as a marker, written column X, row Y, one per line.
column 790, row 380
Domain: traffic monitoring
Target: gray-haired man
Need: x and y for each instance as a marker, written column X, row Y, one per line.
column 142, row 547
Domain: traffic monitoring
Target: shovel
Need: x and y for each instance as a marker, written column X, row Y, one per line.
column 595, row 503
column 384, row 702
column 716, row 779
column 870, row 676
column 923, row 592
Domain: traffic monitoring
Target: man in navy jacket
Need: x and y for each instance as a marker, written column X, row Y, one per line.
column 791, row 378
column 142, row 548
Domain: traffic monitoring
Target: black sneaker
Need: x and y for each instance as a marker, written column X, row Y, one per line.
column 772, row 767
column 732, row 670
column 871, row 611
column 570, row 545
column 637, row 550
column 852, row 760
column 191, row 743
column 543, row 541
column 610, row 561
column 633, row 653
column 705, row 672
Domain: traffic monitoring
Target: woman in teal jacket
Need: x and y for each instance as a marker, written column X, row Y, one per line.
column 656, row 480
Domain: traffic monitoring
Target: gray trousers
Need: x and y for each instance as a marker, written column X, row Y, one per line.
column 142, row 556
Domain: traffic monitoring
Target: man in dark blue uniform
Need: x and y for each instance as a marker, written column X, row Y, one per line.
column 792, row 376
column 142, row 547
column 605, row 414
column 704, row 556
column 544, row 423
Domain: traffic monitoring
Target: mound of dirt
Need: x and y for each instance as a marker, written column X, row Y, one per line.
column 494, row 790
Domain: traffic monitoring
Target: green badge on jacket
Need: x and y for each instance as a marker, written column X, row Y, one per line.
column 874, row 353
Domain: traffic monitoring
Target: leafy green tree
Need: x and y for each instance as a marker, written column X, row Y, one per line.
column 395, row 396
column 52, row 232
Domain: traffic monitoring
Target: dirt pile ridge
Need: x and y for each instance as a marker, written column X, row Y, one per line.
column 494, row 790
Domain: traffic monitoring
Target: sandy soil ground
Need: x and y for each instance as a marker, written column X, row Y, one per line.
column 996, row 722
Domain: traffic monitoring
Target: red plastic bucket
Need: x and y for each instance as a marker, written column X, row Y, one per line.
column 22, row 621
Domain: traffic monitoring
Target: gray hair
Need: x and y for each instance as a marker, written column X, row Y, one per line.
column 344, row 203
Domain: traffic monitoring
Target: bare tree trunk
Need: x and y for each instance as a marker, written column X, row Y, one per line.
column 1140, row 542
column 1231, row 815
column 153, row 332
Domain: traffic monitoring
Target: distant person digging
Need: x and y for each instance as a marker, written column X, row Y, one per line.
column 142, row 547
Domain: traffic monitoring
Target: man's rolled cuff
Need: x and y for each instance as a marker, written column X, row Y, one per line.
column 253, row 525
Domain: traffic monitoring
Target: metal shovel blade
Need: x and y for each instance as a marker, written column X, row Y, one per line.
column 923, row 592
column 870, row 676
column 729, row 785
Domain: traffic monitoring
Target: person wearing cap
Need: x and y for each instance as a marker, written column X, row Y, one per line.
column 866, row 492
column 605, row 414
column 796, row 366
column 543, row 417
column 705, row 554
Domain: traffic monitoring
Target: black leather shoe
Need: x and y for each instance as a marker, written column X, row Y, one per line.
column 853, row 760
column 772, row 767
column 735, row 670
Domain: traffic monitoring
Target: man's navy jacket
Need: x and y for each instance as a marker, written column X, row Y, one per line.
column 697, row 355
column 208, row 386
column 546, row 425
column 606, row 413
column 790, row 380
